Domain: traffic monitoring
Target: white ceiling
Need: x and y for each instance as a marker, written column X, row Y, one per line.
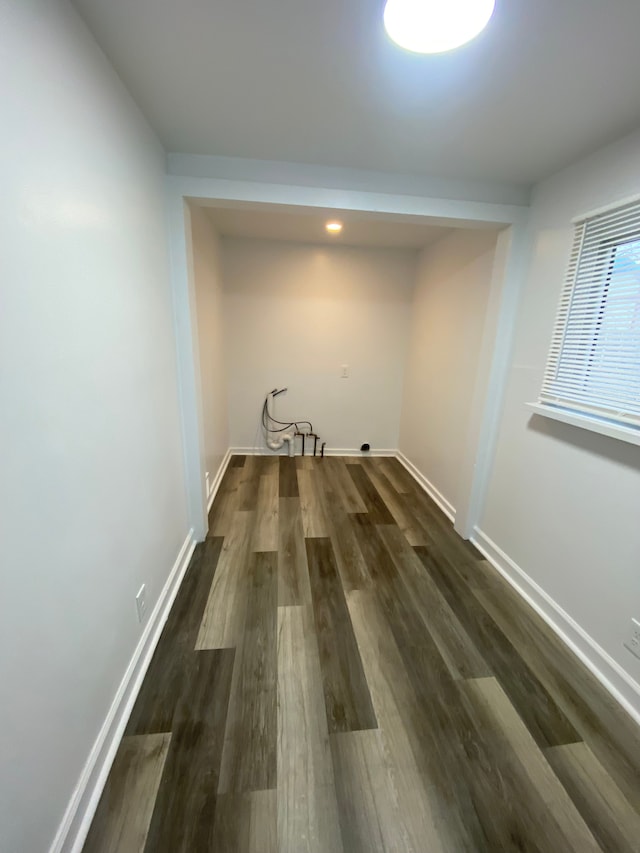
column 271, row 222
column 317, row 81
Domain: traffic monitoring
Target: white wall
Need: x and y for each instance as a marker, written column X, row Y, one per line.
column 207, row 276
column 452, row 292
column 563, row 503
column 92, row 501
column 294, row 315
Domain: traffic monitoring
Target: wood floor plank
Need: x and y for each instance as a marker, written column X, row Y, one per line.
column 249, row 756
column 367, row 797
column 308, row 819
column 227, row 502
column 545, row 720
column 183, row 622
column 613, row 821
column 396, row 706
column 436, row 724
column 288, row 477
column 389, row 686
column 265, row 532
column 376, row 507
column 224, row 612
column 169, row 669
column 246, row 823
column 400, row 509
column 342, row 485
column 350, row 560
column 249, row 481
column 237, row 460
column 519, row 773
column 611, row 734
column 183, row 817
column 293, row 572
column 314, row 520
column 459, row 653
column 396, row 473
column 380, row 566
column 229, row 479
column 347, row 698
column 121, row 822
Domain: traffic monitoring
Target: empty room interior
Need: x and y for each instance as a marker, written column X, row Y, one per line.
column 320, row 433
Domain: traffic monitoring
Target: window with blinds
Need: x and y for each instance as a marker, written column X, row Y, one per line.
column 594, row 360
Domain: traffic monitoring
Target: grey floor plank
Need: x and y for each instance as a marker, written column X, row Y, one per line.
column 227, row 502
column 288, row 478
column 121, row 822
column 610, row 732
column 183, row 817
column 169, row 671
column 347, row 698
column 396, row 473
column 398, row 506
column 224, row 612
column 376, row 507
column 437, row 725
column 342, row 485
column 246, row 823
column 314, row 519
column 249, row 756
column 370, row 809
column 349, row 557
column 293, row 572
column 265, row 531
column 397, row 710
column 613, row 821
column 516, row 773
column 458, row 651
column 545, row 720
column 308, row 820
column 251, row 472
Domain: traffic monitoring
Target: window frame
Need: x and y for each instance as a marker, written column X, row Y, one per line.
column 598, row 417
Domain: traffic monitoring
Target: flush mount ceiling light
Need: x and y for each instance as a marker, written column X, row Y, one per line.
column 435, row 26
column 334, row 227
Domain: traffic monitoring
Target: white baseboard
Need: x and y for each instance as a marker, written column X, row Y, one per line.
column 447, row 508
column 215, row 485
column 609, row 673
column 355, row 451
column 75, row 824
column 328, row 451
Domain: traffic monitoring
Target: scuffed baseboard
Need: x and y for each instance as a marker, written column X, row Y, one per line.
column 447, row 508
column 77, row 819
column 609, row 673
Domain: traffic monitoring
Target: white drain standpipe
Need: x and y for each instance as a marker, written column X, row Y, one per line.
column 288, row 437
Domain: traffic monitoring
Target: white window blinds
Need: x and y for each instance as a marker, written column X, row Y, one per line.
column 594, row 360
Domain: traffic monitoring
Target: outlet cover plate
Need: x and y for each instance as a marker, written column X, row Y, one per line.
column 141, row 603
column 632, row 642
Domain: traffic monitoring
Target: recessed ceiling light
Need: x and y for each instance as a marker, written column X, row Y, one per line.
column 435, row 26
column 334, row 227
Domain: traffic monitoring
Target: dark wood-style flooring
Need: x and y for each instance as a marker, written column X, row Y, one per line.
column 341, row 673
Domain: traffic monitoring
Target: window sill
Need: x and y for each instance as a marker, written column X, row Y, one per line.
column 566, row 416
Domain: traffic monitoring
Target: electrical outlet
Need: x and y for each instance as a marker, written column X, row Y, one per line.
column 141, row 603
column 344, row 374
column 632, row 642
